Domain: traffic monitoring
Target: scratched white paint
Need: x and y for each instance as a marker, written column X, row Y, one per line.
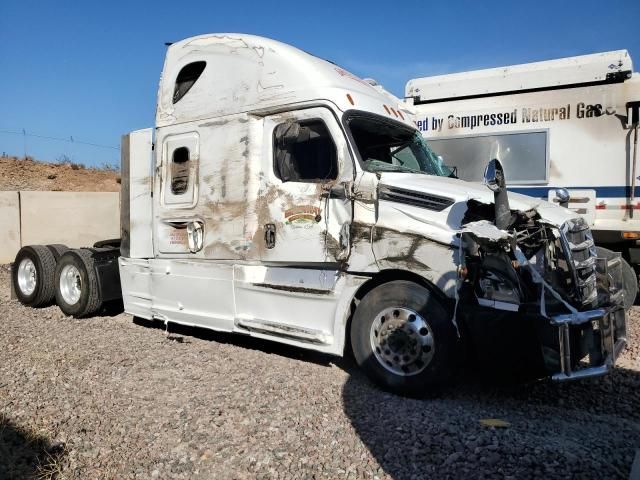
column 247, row 73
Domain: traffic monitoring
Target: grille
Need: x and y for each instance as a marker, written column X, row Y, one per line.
column 400, row 195
column 580, row 252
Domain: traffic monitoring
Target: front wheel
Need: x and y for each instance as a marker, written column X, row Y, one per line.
column 403, row 338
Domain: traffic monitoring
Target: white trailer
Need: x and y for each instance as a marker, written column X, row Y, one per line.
column 282, row 197
column 570, row 123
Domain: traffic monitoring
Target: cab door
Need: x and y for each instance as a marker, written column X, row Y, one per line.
column 309, row 174
column 177, row 227
column 304, row 213
column 186, row 288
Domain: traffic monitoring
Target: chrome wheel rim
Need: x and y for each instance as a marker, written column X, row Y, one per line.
column 402, row 341
column 27, row 276
column 70, row 284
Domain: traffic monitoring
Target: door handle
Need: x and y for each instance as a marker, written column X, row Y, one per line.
column 195, row 236
column 338, row 192
column 270, row 235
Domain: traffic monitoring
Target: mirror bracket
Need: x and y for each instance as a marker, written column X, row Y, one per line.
column 495, row 180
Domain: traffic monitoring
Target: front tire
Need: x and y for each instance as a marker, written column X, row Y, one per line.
column 77, row 291
column 32, row 275
column 403, row 338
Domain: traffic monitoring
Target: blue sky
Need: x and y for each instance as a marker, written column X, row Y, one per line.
column 89, row 70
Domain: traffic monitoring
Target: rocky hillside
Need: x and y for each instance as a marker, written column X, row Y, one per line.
column 28, row 174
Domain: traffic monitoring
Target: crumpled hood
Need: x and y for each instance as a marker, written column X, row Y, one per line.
column 463, row 191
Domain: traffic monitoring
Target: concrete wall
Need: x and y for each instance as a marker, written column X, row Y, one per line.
column 9, row 226
column 76, row 219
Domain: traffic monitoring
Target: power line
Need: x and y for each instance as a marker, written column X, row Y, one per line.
column 25, row 134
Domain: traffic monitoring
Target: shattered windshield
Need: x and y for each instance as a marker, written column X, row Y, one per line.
column 391, row 147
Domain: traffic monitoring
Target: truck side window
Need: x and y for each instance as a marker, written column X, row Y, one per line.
column 180, row 171
column 186, row 78
column 304, row 152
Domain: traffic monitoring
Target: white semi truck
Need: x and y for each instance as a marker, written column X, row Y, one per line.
column 565, row 130
column 282, row 197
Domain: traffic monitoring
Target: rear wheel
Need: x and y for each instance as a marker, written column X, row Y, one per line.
column 77, row 292
column 403, row 338
column 33, row 275
column 629, row 277
column 58, row 250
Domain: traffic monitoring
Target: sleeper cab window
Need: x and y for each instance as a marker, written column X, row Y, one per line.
column 187, row 76
column 304, row 152
column 180, row 168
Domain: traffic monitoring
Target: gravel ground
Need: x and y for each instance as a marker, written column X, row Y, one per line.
column 111, row 398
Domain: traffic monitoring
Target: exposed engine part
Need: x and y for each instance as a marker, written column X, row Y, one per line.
column 564, row 258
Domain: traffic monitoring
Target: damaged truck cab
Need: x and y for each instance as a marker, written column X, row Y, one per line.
column 282, row 197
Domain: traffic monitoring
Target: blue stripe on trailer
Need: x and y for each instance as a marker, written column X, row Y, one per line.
column 601, row 192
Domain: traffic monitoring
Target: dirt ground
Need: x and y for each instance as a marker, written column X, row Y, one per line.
column 110, row 397
column 21, row 174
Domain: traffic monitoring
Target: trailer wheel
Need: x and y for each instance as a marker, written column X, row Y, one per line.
column 629, row 277
column 33, row 276
column 76, row 282
column 403, row 338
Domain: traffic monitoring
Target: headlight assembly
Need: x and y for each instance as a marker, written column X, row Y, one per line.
column 497, row 285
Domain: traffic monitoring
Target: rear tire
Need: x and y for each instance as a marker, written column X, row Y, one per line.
column 58, row 250
column 32, row 275
column 629, row 277
column 76, row 284
column 403, row 338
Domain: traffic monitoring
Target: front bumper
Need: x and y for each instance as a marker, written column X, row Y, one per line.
column 561, row 345
column 606, row 327
column 608, row 339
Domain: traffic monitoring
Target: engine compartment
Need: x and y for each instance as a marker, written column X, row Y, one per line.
column 543, row 299
column 528, row 262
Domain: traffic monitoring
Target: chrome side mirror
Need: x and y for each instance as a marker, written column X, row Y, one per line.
column 494, row 176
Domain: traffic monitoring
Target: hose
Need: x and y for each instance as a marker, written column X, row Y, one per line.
column 635, row 154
